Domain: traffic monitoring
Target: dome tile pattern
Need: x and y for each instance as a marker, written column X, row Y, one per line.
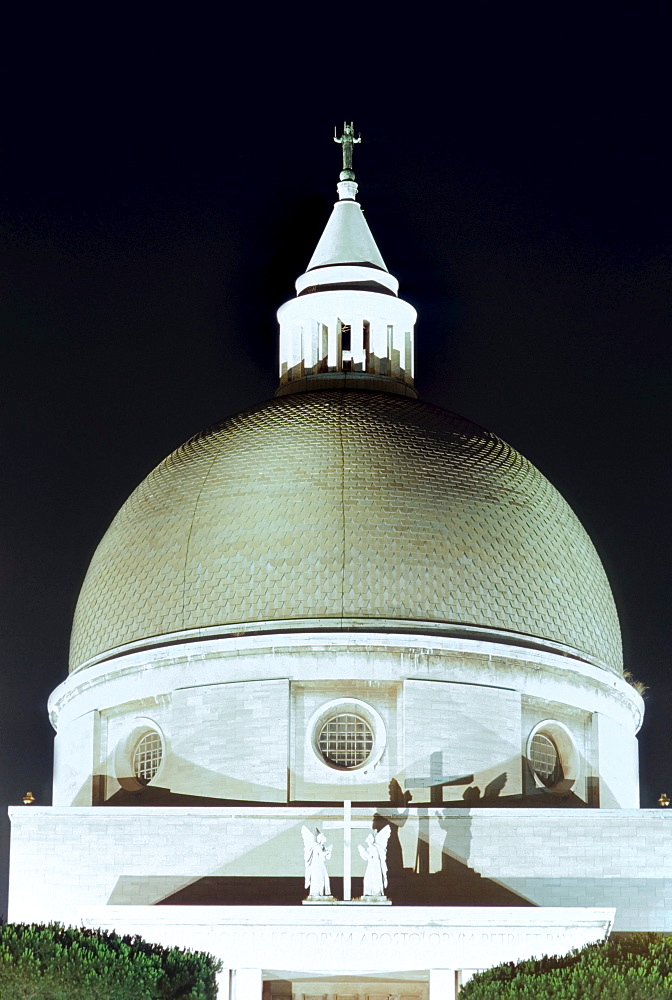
column 333, row 504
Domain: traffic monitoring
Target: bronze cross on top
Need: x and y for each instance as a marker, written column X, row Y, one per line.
column 347, row 141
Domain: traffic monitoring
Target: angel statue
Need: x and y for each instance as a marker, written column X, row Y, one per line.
column 375, row 876
column 316, row 853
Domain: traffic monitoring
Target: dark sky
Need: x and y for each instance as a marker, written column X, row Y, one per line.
column 162, row 183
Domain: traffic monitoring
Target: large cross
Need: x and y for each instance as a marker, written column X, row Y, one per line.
column 347, row 140
column 348, row 825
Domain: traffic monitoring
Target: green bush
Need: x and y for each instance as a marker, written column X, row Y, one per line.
column 626, row 967
column 64, row 963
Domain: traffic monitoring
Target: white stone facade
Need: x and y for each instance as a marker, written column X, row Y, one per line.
column 454, row 720
column 65, row 859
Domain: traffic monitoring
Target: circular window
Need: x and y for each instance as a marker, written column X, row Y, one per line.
column 553, row 757
column 347, row 735
column 147, row 757
column 346, row 740
column 545, row 759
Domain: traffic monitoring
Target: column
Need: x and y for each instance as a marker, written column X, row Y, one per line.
column 312, row 357
column 334, row 353
column 395, row 342
column 442, row 984
column 378, row 344
column 246, row 984
column 297, row 349
column 357, row 343
column 224, row 984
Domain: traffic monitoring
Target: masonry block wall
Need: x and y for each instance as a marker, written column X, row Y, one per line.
column 617, row 762
column 311, row 777
column 238, row 750
column 459, row 737
column 255, row 739
column 74, row 773
column 107, row 855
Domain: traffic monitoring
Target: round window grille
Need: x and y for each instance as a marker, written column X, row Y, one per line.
column 346, row 740
column 545, row 759
column 147, row 757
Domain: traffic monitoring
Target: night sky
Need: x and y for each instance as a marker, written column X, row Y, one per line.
column 162, row 184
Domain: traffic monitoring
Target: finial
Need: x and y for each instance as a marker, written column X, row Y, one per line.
column 347, row 141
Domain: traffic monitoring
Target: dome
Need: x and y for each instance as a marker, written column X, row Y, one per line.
column 347, row 508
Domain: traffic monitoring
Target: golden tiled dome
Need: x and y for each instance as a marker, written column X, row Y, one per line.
column 344, row 504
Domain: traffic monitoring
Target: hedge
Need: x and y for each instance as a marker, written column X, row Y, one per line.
column 625, row 967
column 52, row 962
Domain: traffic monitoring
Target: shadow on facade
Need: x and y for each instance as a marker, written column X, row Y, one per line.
column 455, row 885
column 435, row 871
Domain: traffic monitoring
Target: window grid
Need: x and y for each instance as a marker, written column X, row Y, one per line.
column 147, row 757
column 545, row 759
column 346, row 740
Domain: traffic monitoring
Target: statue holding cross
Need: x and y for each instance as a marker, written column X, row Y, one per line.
column 347, row 141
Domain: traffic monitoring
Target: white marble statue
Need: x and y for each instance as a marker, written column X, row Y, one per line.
column 316, row 853
column 375, row 876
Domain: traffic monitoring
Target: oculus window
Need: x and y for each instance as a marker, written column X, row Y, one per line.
column 347, row 735
column 147, row 757
column 346, row 740
column 545, row 759
column 553, row 757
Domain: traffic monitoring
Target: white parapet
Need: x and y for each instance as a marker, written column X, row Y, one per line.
column 65, row 861
column 358, row 940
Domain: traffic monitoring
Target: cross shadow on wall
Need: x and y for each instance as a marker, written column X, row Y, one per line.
column 508, row 783
column 455, row 883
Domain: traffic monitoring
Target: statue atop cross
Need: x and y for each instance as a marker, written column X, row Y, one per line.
column 347, row 141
